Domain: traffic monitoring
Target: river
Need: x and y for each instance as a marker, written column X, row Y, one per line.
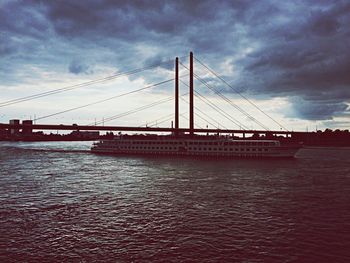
column 58, row 202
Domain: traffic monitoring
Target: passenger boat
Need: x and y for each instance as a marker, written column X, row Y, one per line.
column 201, row 146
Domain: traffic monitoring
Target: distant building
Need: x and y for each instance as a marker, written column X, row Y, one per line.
column 14, row 131
column 27, row 130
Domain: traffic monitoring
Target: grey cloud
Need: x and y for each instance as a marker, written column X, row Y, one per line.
column 78, row 67
column 164, row 63
column 300, row 48
column 7, row 48
column 21, row 19
column 318, row 110
column 312, row 62
column 324, row 25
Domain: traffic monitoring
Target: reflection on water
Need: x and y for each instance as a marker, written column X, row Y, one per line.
column 60, row 203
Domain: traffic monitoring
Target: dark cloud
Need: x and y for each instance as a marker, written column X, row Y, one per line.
column 312, row 62
column 164, row 63
column 78, row 67
column 7, row 48
column 318, row 110
column 298, row 49
column 324, row 24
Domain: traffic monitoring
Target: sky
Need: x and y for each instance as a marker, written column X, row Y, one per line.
column 290, row 58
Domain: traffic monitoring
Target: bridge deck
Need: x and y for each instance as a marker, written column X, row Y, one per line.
column 135, row 129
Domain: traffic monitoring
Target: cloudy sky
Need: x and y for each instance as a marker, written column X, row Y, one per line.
column 291, row 58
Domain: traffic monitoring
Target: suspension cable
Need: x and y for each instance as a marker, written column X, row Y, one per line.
column 198, row 126
column 206, row 115
column 158, row 120
column 104, row 100
column 217, row 109
column 117, row 116
column 167, row 119
column 228, row 100
column 84, row 84
column 123, row 114
column 239, row 93
column 232, row 104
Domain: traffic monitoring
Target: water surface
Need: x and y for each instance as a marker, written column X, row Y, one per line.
column 58, row 202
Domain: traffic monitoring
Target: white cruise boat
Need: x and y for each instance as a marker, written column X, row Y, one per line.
column 206, row 146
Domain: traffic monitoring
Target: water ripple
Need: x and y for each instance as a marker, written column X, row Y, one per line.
column 60, row 203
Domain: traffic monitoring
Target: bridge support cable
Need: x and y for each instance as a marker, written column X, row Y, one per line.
column 239, row 93
column 218, row 109
column 149, row 123
column 222, row 96
column 170, row 117
column 104, row 100
column 117, row 116
column 123, row 114
column 229, row 101
column 206, row 115
column 84, row 84
column 197, row 126
column 157, row 121
column 164, row 120
column 203, row 119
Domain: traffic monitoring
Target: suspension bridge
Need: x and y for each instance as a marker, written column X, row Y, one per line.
column 239, row 127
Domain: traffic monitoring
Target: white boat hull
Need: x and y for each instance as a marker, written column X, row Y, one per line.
column 197, row 148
